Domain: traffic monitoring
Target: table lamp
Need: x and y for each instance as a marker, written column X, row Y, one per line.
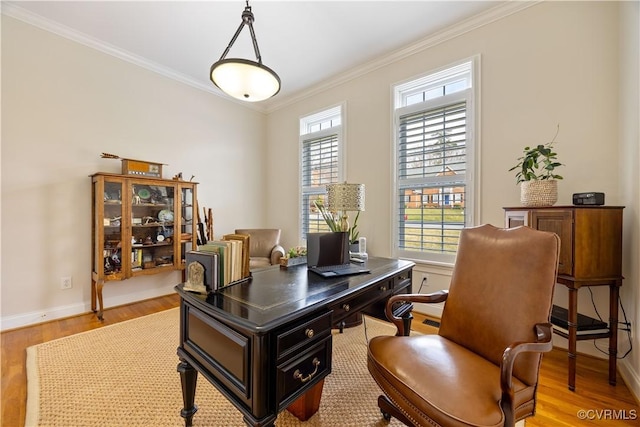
column 345, row 197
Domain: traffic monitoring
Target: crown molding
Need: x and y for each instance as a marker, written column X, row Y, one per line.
column 12, row 10
column 494, row 14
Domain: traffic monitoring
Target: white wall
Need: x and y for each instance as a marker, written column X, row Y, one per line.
column 630, row 183
column 62, row 105
column 536, row 72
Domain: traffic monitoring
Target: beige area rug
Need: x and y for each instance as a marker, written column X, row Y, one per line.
column 125, row 375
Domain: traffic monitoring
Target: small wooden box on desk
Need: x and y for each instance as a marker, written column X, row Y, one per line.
column 590, row 255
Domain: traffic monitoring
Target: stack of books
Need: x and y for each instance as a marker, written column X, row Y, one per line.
column 232, row 258
column 586, row 325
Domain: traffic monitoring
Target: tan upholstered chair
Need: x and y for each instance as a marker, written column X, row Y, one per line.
column 481, row 369
column 264, row 246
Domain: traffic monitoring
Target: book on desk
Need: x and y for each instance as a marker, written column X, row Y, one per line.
column 586, row 325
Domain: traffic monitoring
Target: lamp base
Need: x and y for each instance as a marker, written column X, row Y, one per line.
column 344, row 222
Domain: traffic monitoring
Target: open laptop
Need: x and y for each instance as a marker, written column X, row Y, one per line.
column 328, row 255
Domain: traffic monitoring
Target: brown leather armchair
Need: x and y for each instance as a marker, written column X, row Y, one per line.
column 264, row 246
column 482, row 367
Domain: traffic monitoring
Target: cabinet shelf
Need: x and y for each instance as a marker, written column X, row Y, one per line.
column 151, row 205
column 583, row 336
column 153, row 245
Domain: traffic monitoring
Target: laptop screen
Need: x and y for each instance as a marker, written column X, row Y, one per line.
column 324, row 249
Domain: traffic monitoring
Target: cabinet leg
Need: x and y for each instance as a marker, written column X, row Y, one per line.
column 572, row 323
column 93, row 295
column 188, row 378
column 98, row 290
column 613, row 330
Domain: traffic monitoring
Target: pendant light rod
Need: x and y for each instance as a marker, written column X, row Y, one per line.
column 247, row 19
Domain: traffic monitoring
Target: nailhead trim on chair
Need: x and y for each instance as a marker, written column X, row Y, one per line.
column 389, row 385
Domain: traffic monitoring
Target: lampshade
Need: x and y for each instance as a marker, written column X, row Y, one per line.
column 245, row 79
column 345, row 197
column 242, row 78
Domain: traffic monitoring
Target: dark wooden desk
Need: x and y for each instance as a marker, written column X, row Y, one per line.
column 265, row 342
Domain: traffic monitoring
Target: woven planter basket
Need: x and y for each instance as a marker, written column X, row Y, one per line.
column 539, row 193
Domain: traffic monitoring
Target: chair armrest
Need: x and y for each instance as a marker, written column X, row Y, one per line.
column 277, row 252
column 432, row 298
column 543, row 344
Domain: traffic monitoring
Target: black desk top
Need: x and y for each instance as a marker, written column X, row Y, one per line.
column 274, row 295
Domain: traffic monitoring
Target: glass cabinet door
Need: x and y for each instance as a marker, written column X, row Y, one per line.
column 109, row 233
column 187, row 212
column 152, row 227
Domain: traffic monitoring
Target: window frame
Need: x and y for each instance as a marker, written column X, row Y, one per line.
column 470, row 95
column 306, row 123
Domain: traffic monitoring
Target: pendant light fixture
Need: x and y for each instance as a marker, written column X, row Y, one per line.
column 242, row 78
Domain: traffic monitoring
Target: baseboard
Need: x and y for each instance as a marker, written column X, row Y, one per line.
column 60, row 312
column 35, row 317
column 630, row 377
column 431, row 310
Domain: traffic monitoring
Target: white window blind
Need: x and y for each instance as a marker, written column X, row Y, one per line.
column 432, row 183
column 320, row 167
column 434, row 154
column 320, row 164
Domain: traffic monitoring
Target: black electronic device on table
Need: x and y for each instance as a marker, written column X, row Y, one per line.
column 328, row 255
column 590, row 198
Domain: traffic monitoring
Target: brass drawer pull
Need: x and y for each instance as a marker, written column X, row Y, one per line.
column 346, row 307
column 298, row 375
column 383, row 288
column 309, row 333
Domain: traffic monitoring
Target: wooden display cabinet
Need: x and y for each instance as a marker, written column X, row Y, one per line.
column 590, row 255
column 141, row 226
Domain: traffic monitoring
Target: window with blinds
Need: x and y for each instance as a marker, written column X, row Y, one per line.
column 433, row 142
column 320, row 163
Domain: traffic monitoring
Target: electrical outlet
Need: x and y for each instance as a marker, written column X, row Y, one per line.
column 425, row 279
column 424, row 282
column 66, row 283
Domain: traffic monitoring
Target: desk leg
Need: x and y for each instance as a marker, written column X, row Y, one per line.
column 572, row 323
column 308, row 404
column 613, row 331
column 188, row 378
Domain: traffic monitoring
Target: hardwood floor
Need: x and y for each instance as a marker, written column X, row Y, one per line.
column 557, row 406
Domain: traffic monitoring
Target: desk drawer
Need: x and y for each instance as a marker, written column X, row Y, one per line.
column 303, row 335
column 358, row 302
column 295, row 376
column 401, row 280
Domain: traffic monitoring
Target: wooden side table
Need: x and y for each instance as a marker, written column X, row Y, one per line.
column 590, row 255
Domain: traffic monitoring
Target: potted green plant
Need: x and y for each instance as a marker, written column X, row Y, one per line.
column 334, row 223
column 294, row 256
column 536, row 174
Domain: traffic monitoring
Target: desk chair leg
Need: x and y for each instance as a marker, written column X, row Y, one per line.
column 389, row 410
